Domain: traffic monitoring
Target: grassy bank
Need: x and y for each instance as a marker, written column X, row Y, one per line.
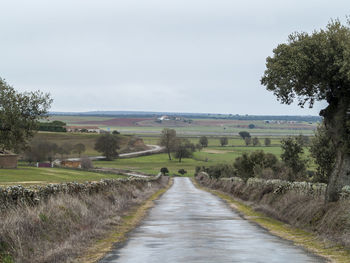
column 119, row 234
column 308, row 222
column 61, row 228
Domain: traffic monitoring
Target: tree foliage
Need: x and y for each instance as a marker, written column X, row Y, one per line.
column 19, row 115
column 314, row 67
column 203, row 140
column 323, row 152
column 40, row 151
column 267, row 142
column 223, row 141
column 247, row 164
column 292, row 152
column 108, row 144
column 79, row 148
column 168, row 140
column 183, row 149
column 244, row 134
column 256, row 141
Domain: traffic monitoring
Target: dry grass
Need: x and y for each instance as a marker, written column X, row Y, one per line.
column 330, row 221
column 61, row 228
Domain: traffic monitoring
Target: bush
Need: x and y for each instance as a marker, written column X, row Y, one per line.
column 253, row 164
column 164, row 170
column 182, row 171
column 86, row 163
column 292, row 151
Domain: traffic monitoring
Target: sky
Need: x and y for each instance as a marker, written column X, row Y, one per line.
column 204, row 56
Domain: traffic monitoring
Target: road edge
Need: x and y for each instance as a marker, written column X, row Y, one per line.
column 130, row 220
column 325, row 249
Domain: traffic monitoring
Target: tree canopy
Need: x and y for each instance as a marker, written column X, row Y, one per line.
column 314, row 67
column 19, row 115
column 168, row 139
column 108, row 145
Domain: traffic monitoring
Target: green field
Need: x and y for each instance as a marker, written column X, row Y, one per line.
column 32, row 175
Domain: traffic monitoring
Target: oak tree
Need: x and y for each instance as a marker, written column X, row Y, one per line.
column 316, row 67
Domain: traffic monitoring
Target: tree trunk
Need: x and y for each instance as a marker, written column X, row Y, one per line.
column 337, row 121
column 169, row 154
column 339, row 177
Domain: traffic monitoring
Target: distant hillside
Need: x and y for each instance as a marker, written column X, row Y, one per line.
column 146, row 114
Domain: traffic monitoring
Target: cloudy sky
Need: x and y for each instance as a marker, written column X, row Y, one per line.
column 154, row 55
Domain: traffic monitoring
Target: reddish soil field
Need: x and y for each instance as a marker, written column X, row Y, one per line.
column 122, row 122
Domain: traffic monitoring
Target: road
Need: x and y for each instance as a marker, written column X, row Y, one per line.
column 191, row 225
column 153, row 149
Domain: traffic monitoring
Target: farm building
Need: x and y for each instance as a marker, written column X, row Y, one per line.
column 71, row 164
column 8, row 160
column 93, row 129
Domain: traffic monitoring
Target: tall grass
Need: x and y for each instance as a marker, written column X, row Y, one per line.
column 58, row 230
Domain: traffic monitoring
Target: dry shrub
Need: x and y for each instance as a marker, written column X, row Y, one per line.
column 310, row 212
column 86, row 163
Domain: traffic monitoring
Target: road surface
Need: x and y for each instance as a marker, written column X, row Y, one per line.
column 153, row 149
column 191, row 225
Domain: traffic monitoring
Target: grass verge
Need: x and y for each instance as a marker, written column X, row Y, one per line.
column 129, row 221
column 311, row 242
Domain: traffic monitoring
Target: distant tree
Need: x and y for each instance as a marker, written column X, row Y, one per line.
column 223, row 141
column 251, row 126
column 164, row 170
column 292, row 156
column 19, row 115
column 267, row 142
column 198, row 147
column 115, row 132
column 244, row 134
column 256, row 141
column 248, row 141
column 86, row 163
column 203, row 140
column 182, row 171
column 168, row 139
column 323, row 152
column 67, row 148
column 40, row 151
column 183, row 149
column 304, row 139
column 79, row 148
column 315, row 67
column 108, row 144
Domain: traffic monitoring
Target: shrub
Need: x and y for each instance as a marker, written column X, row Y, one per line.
column 164, row 170
column 253, row 164
column 182, row 171
column 86, row 163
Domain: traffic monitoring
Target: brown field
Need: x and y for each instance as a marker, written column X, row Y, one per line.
column 121, row 122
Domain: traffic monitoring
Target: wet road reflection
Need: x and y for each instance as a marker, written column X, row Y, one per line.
column 191, row 225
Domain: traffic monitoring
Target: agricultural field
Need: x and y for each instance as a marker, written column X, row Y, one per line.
column 190, row 127
column 88, row 139
column 26, row 175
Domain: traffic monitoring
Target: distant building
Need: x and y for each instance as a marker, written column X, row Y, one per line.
column 93, row 129
column 8, row 160
column 71, row 164
column 164, row 118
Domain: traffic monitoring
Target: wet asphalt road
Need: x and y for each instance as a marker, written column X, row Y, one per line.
column 191, row 225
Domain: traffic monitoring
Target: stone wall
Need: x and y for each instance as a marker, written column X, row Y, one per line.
column 19, row 195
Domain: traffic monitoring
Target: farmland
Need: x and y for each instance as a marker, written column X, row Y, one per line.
column 31, row 175
column 211, row 155
column 192, row 127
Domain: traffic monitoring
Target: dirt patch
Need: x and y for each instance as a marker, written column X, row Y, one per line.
column 215, row 151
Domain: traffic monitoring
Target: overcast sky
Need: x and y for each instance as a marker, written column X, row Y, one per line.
column 154, row 55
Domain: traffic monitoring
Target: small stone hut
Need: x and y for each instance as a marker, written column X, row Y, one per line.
column 8, row 160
